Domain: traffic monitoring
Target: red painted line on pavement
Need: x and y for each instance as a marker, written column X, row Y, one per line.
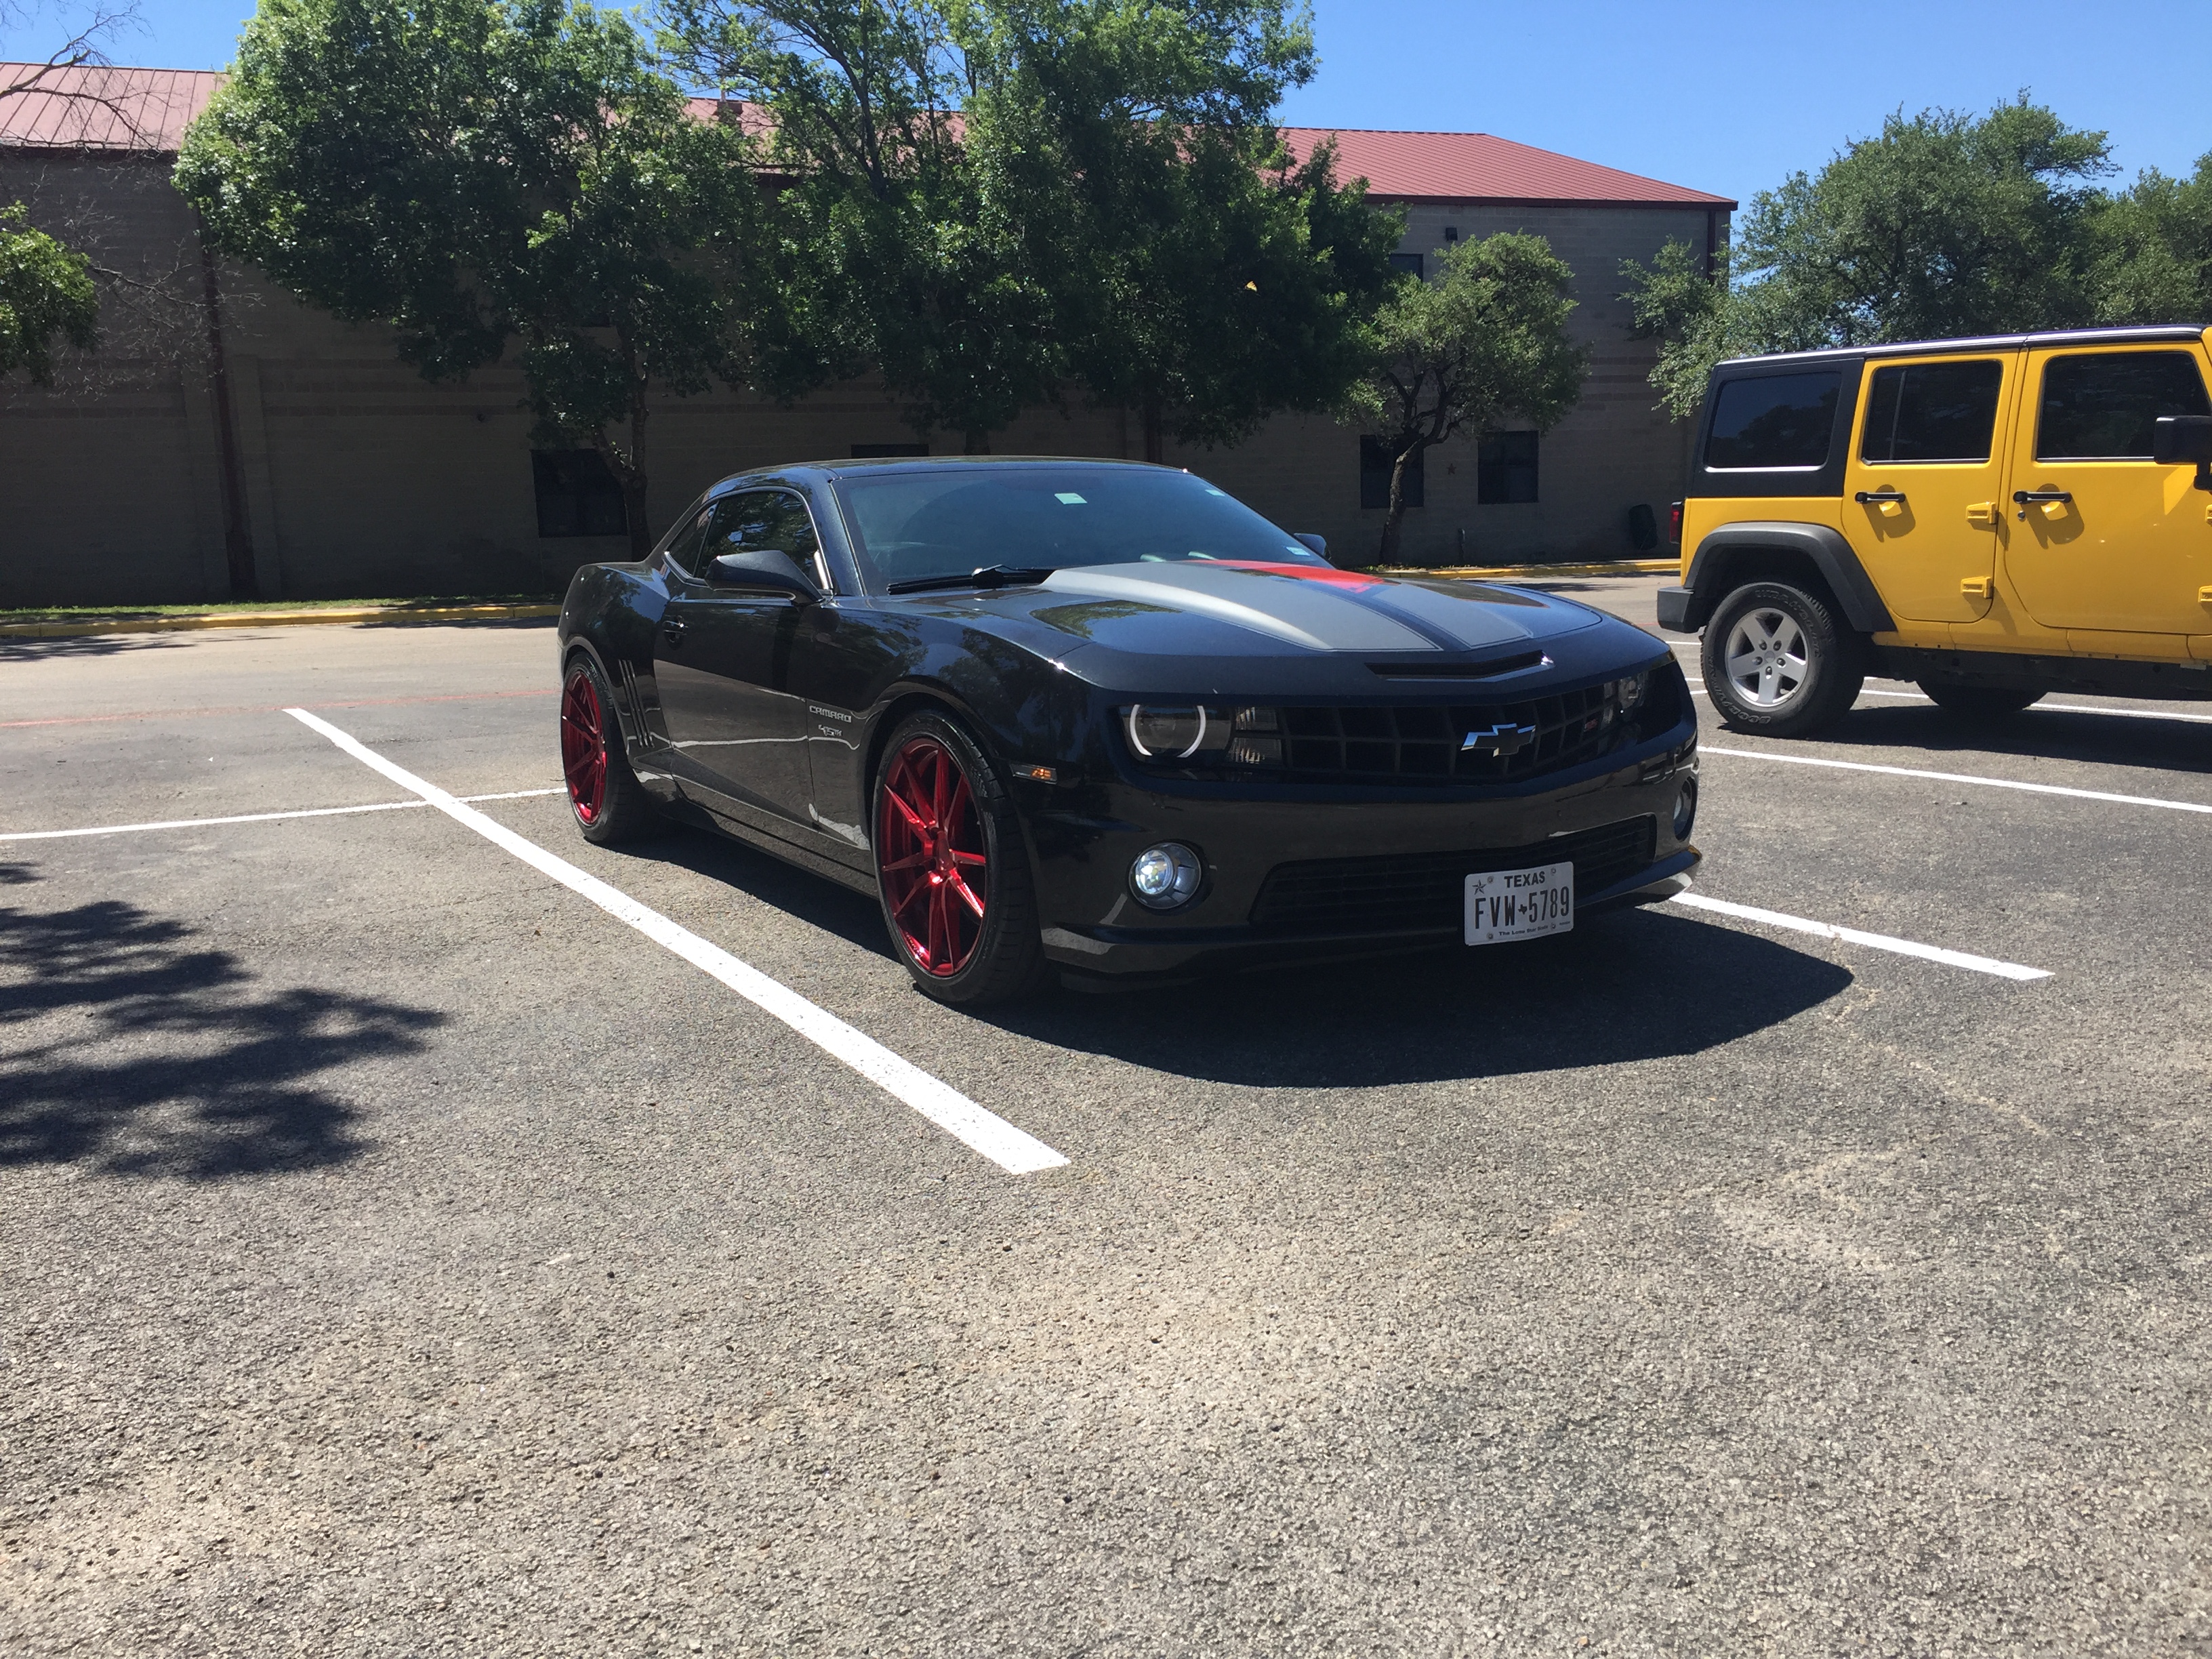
column 276, row 707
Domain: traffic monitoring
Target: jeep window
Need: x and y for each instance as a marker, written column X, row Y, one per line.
column 1774, row 420
column 1932, row 412
column 2105, row 406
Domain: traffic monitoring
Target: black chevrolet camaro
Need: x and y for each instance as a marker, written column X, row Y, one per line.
column 1100, row 717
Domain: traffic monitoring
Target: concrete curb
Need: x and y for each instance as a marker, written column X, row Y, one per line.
column 369, row 616
column 1536, row 572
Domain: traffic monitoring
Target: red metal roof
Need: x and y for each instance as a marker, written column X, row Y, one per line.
column 147, row 109
column 98, row 108
column 1474, row 166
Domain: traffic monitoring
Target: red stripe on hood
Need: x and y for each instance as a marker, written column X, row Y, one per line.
column 1307, row 573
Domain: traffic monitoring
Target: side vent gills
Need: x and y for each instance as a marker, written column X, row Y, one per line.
column 1459, row 670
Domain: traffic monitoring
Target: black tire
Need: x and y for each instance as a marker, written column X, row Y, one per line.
column 1978, row 702
column 953, row 954
column 605, row 796
column 1809, row 662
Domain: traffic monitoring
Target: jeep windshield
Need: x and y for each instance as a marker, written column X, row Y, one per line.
column 924, row 528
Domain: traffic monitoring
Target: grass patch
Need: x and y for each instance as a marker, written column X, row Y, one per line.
column 131, row 612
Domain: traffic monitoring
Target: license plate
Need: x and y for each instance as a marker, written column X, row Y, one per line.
column 1508, row 904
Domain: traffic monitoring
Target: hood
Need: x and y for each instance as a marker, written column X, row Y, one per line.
column 1216, row 609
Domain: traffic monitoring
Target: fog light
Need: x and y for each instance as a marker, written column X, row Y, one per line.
column 1165, row 876
column 1686, row 808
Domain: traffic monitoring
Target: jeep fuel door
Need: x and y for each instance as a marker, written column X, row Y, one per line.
column 1921, row 495
column 2102, row 536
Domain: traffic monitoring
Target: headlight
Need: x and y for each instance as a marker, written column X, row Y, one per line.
column 1630, row 692
column 1166, row 733
column 1165, row 876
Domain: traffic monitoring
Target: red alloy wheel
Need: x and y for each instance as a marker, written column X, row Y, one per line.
column 584, row 747
column 929, row 845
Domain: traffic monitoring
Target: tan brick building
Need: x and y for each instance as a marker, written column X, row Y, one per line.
column 228, row 440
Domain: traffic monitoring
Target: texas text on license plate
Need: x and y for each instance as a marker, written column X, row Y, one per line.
column 1511, row 904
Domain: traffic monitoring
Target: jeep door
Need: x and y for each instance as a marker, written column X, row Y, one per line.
column 723, row 662
column 1921, row 489
column 2103, row 537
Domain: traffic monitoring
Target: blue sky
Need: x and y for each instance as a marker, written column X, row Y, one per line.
column 1728, row 97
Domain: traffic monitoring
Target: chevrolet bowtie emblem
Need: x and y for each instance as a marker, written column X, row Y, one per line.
column 1500, row 740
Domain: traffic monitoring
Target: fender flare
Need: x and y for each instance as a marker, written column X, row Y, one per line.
column 1830, row 556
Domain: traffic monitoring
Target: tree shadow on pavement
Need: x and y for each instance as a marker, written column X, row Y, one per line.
column 1623, row 988
column 13, row 648
column 2097, row 739
column 126, row 1048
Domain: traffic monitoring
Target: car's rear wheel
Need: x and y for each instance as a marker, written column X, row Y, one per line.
column 609, row 803
column 951, row 867
column 1978, row 702
column 1779, row 661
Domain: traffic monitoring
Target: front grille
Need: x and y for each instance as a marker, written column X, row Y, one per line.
column 1425, row 889
column 1518, row 740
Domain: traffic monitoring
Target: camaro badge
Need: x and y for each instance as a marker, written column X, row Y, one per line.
column 1500, row 740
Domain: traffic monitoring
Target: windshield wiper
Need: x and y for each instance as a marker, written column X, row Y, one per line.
column 990, row 575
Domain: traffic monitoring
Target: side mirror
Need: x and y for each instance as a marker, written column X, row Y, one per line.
column 2178, row 440
column 765, row 570
column 1318, row 544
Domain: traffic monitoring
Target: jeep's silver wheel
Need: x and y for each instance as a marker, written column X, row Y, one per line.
column 1766, row 660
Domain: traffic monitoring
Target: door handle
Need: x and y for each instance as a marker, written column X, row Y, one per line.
column 1983, row 515
column 1975, row 587
column 1888, row 502
column 671, row 630
column 2046, row 499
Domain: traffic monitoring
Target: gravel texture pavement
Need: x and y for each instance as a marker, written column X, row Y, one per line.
column 402, row 1256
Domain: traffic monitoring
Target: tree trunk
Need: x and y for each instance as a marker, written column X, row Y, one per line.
column 630, row 473
column 1391, row 521
column 1156, row 448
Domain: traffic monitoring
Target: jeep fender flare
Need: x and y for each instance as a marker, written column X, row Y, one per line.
column 1710, row 577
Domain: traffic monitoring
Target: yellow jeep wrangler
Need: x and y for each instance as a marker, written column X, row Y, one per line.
column 1994, row 518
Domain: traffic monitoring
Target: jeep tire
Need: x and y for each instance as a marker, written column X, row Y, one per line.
column 1781, row 661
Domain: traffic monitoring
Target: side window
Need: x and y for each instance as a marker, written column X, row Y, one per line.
column 759, row 519
column 683, row 548
column 1932, row 412
column 2104, row 406
column 1773, row 421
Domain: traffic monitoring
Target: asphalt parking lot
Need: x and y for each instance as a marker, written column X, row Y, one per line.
column 403, row 1255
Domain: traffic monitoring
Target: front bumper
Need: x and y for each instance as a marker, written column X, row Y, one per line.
column 1093, row 927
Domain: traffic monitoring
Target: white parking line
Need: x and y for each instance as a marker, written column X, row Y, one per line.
column 1011, row 1149
column 257, row 817
column 1903, row 947
column 1961, row 777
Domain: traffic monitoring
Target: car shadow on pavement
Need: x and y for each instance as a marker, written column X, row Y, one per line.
column 1637, row 985
column 2118, row 739
column 128, row 1050
column 815, row 900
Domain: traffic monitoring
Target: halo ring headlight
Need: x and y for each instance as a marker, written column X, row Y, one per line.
column 1173, row 733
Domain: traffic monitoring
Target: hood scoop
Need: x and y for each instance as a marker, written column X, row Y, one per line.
column 1460, row 671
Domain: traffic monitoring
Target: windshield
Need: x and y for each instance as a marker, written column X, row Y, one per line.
column 930, row 521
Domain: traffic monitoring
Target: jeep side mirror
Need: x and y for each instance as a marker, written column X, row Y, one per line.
column 764, row 570
column 2178, row 440
column 1318, row 544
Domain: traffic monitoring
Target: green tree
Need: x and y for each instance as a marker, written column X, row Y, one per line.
column 2154, row 263
column 46, row 296
column 1946, row 224
column 484, row 174
column 1486, row 339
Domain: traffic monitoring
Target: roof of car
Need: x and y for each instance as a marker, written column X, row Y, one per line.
column 2117, row 336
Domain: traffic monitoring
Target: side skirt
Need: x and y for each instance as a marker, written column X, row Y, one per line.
column 2105, row 677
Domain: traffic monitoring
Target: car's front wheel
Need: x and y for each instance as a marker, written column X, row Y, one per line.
column 1976, row 702
column 609, row 803
column 952, row 868
column 1779, row 661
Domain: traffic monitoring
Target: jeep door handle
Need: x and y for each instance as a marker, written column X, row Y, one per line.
column 1866, row 495
column 2045, row 497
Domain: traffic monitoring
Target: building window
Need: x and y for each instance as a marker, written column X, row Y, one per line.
column 1451, row 232
column 885, row 451
column 1505, row 469
column 576, row 493
column 1375, row 463
column 1409, row 263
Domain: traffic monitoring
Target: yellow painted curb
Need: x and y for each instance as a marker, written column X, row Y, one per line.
column 1498, row 572
column 365, row 615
